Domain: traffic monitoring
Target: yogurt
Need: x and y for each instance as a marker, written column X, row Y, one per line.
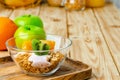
column 39, row 61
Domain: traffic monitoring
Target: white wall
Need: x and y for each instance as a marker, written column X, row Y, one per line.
column 116, row 2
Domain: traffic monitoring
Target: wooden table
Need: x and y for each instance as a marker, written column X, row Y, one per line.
column 97, row 30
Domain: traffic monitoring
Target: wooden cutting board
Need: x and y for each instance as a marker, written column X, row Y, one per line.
column 70, row 70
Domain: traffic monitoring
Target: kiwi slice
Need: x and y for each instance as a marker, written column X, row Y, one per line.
column 38, row 45
column 35, row 44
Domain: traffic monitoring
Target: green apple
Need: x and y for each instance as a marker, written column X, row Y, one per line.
column 28, row 20
column 28, row 32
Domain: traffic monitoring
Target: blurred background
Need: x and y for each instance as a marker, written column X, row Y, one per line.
column 116, row 2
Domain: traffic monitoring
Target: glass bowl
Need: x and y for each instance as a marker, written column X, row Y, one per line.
column 44, row 65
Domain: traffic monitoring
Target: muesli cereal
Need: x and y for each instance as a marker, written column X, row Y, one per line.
column 26, row 65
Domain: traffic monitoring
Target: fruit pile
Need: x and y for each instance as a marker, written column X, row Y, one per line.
column 35, row 52
column 31, row 34
column 23, row 25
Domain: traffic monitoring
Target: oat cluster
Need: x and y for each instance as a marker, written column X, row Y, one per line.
column 22, row 61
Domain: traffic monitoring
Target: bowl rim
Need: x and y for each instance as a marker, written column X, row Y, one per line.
column 21, row 50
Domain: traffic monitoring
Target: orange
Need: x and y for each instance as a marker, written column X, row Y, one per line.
column 7, row 30
column 50, row 43
column 27, row 45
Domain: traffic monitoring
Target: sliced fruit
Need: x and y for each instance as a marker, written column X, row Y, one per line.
column 38, row 45
column 27, row 45
column 35, row 44
column 50, row 43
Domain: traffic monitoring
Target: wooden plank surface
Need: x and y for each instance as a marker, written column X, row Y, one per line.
column 89, row 45
column 97, row 31
column 4, row 54
column 22, row 11
column 54, row 19
column 78, row 70
column 4, row 11
column 109, row 21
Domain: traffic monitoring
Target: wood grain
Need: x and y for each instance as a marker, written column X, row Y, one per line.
column 89, row 45
column 109, row 21
column 54, row 19
column 4, row 54
column 94, row 32
column 21, row 11
column 78, row 70
column 5, row 12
